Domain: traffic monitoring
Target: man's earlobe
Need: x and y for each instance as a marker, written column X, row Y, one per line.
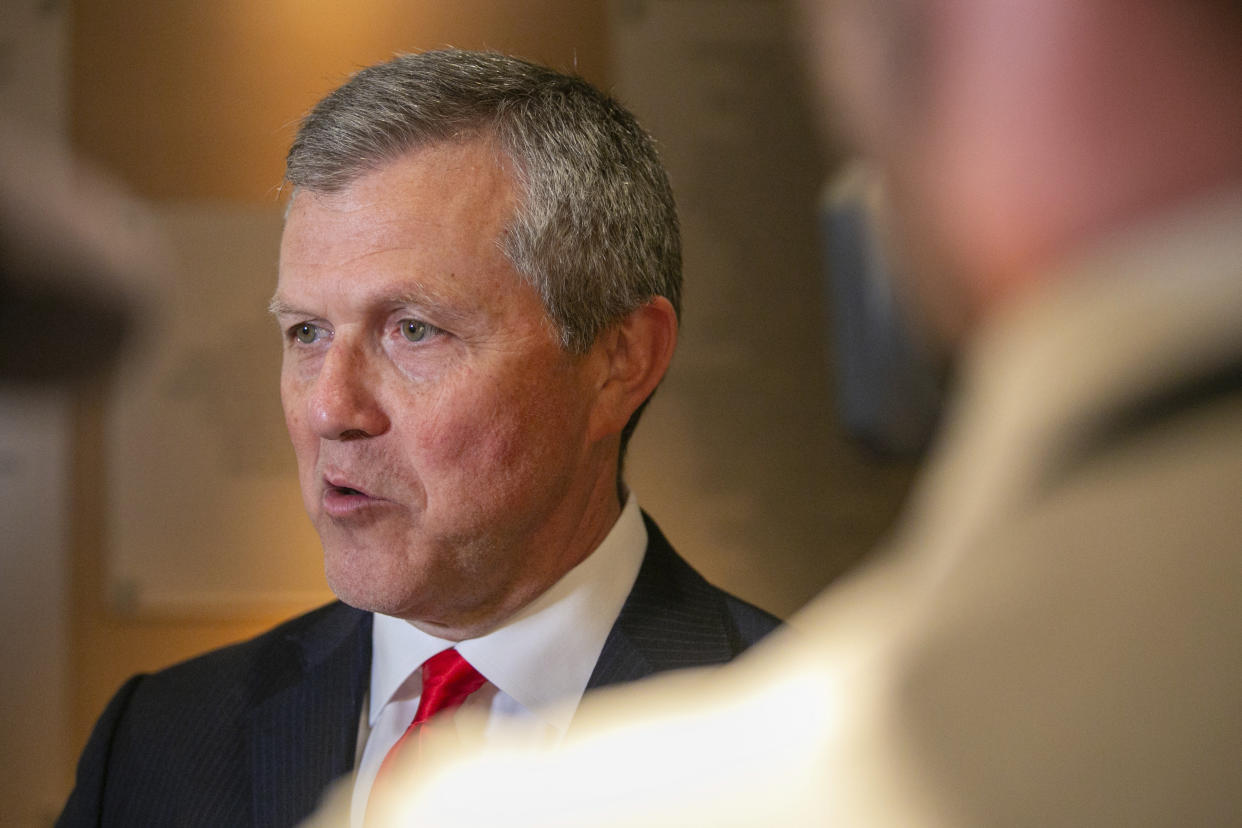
column 638, row 350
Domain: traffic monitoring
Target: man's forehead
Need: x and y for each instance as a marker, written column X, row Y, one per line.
column 443, row 192
column 412, row 259
column 438, row 165
column 327, row 230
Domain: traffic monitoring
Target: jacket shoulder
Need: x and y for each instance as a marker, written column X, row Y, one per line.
column 257, row 666
column 170, row 748
column 674, row 619
column 751, row 622
column 666, row 572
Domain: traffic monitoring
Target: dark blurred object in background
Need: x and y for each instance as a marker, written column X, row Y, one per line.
column 888, row 380
column 71, row 248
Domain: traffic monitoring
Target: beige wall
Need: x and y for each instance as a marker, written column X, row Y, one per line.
column 198, row 99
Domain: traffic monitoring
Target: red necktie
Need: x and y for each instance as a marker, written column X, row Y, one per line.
column 447, row 680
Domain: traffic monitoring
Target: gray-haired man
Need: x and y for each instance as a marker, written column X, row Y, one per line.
column 478, row 292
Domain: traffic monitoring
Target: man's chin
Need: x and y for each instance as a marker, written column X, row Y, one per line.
column 372, row 587
column 411, row 605
column 363, row 597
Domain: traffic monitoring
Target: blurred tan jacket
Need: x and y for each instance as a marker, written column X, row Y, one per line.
column 1070, row 646
column 1054, row 637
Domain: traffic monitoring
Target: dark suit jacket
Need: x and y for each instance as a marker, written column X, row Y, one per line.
column 252, row 734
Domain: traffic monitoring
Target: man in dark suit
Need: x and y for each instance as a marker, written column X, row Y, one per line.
column 479, row 290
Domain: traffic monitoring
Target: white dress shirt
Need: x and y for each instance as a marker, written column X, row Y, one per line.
column 537, row 664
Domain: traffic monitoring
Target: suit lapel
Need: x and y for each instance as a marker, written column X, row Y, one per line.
column 672, row 619
column 303, row 729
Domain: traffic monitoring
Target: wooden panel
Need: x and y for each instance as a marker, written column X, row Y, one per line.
column 187, row 99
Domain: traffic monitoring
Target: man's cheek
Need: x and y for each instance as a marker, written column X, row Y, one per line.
column 477, row 449
column 462, row 426
column 299, row 439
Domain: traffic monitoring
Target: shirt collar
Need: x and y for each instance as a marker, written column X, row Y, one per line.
column 543, row 656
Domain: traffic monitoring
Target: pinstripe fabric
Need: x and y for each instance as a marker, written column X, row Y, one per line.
column 247, row 735
column 253, row 734
column 674, row 618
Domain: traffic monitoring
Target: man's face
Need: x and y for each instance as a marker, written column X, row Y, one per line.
column 442, row 435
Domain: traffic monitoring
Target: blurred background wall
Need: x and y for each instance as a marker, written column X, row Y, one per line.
column 171, row 519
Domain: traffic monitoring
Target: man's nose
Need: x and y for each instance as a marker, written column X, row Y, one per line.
column 342, row 403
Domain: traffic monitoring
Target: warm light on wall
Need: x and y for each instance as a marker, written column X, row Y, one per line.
column 198, row 100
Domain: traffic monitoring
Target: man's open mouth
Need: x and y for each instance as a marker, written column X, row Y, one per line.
column 341, row 487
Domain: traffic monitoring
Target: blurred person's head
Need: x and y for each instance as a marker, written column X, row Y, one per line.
column 1014, row 134
column 479, row 287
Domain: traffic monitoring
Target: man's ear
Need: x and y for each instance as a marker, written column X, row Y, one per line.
column 636, row 352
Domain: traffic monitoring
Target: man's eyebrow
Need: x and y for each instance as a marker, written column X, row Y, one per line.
column 416, row 297
column 279, row 307
column 447, row 309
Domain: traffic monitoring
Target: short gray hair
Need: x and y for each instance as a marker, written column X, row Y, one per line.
column 595, row 231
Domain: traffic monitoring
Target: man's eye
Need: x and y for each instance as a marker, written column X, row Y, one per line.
column 306, row 333
column 414, row 330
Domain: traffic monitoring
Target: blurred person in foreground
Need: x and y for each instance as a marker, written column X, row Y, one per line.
column 478, row 291
column 1054, row 635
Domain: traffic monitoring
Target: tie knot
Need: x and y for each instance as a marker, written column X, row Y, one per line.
column 447, row 680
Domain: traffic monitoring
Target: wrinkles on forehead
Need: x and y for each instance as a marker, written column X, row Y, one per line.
column 448, row 310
